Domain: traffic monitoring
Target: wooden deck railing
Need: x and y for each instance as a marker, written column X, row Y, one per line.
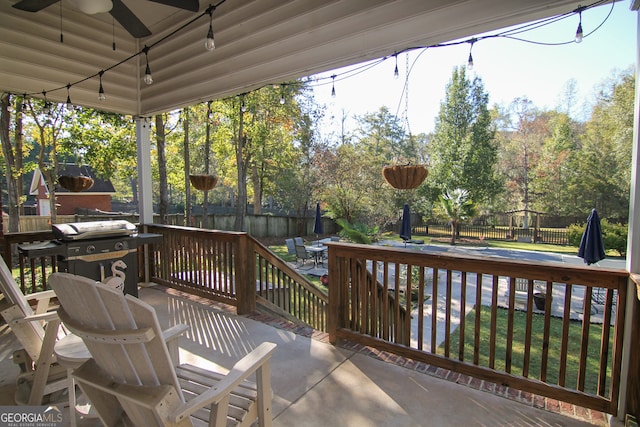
column 467, row 316
column 235, row 269
column 461, row 313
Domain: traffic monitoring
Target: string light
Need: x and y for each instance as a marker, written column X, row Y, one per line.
column 396, row 74
column 101, row 96
column 148, row 79
column 282, row 94
column 147, row 72
column 470, row 60
column 46, row 108
column 243, row 106
column 69, row 104
column 209, row 42
column 579, row 34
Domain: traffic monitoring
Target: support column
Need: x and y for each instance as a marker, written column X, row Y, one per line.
column 145, row 195
column 629, row 401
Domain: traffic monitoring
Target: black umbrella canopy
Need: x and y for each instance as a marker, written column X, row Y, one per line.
column 592, row 246
column 405, row 229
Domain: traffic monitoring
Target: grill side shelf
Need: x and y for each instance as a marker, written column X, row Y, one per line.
column 35, row 250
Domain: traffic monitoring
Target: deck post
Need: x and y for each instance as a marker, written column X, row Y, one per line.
column 245, row 271
column 333, row 311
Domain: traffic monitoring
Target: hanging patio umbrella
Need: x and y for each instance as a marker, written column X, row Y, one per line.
column 405, row 229
column 592, row 246
column 317, row 226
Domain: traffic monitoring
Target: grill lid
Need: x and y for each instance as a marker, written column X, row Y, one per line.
column 93, row 230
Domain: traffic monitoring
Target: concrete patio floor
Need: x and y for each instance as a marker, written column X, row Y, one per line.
column 318, row 384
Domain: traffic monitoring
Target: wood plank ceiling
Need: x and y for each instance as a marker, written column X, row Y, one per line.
column 258, row 42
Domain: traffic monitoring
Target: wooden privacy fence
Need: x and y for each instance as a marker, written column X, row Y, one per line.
column 478, row 317
column 256, row 225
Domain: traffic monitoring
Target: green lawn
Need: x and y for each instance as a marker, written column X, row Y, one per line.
column 517, row 360
column 282, row 252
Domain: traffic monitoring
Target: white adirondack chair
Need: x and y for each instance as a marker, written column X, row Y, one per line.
column 131, row 377
column 41, row 380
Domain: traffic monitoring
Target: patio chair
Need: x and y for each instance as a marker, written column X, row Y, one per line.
column 291, row 246
column 41, row 379
column 131, row 379
column 298, row 241
column 303, row 254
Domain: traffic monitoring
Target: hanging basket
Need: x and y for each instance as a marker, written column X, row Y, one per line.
column 75, row 184
column 405, row 177
column 203, row 182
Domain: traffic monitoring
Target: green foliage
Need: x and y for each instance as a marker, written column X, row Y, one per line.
column 574, row 234
column 456, row 206
column 463, row 150
column 614, row 236
column 357, row 233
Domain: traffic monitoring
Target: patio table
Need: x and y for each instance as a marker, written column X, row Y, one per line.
column 317, row 252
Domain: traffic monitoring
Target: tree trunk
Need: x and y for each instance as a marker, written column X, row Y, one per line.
column 257, row 193
column 207, row 160
column 454, row 228
column 163, row 208
column 241, row 207
column 187, row 165
column 10, row 165
column 18, row 158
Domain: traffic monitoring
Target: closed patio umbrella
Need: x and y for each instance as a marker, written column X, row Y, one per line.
column 405, row 229
column 592, row 246
column 317, row 226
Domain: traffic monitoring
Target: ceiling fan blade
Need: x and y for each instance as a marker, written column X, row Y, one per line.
column 190, row 5
column 33, row 5
column 128, row 20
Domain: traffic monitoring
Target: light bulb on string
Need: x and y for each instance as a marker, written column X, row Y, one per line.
column 470, row 59
column 101, row 95
column 46, row 109
column 282, row 100
column 333, row 86
column 69, row 104
column 396, row 73
column 243, row 106
column 579, row 33
column 148, row 79
column 209, row 43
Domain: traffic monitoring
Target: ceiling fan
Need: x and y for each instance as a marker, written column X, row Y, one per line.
column 116, row 8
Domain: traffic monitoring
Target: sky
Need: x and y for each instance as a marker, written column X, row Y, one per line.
column 509, row 69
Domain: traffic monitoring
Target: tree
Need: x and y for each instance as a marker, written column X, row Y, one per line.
column 12, row 157
column 520, row 154
column 555, row 172
column 49, row 120
column 456, row 207
column 462, row 150
column 604, row 158
column 163, row 205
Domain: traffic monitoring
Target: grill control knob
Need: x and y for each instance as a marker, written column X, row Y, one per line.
column 120, row 246
column 91, row 249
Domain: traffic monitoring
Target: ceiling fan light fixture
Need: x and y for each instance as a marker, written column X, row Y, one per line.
column 91, row 7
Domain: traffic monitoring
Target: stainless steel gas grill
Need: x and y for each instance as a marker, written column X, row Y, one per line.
column 93, row 249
